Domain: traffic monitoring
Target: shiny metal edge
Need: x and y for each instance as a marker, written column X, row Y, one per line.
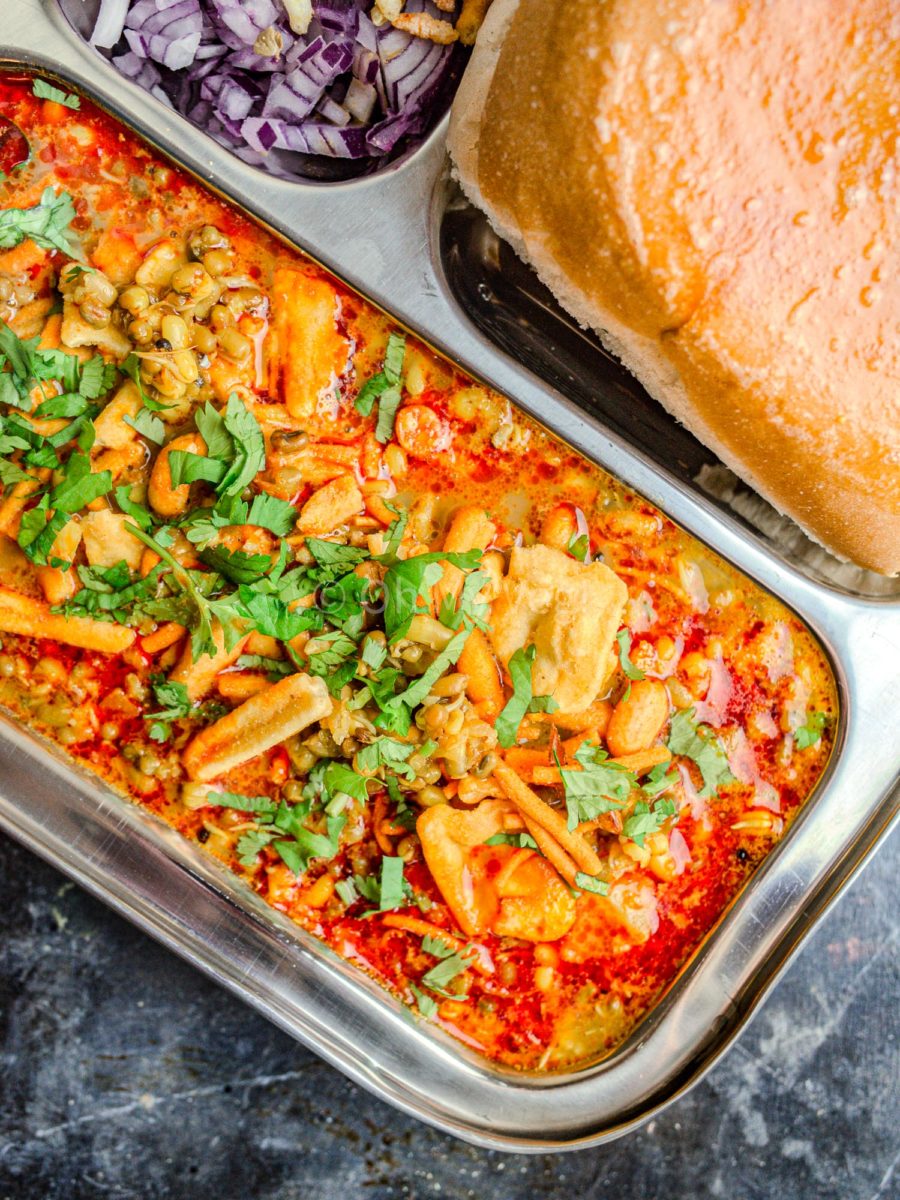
column 387, row 251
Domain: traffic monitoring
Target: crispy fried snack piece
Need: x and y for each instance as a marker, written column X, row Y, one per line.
column 570, row 612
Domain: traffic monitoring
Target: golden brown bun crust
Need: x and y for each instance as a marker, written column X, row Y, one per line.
column 715, row 188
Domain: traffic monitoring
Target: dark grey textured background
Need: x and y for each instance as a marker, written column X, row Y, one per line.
column 126, row 1075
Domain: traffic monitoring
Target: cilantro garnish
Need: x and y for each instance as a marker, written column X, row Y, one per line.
column 346, row 889
column 700, row 744
column 810, row 732
column 645, row 819
column 599, row 787
column 520, row 840
column 425, row 1004
column 78, row 487
column 387, row 752
column 391, row 889
column 450, row 967
column 273, row 514
column 507, row 723
column 406, row 581
column 252, row 804
column 590, row 883
column 46, row 223
column 623, row 638
column 206, row 612
column 385, row 387
column 250, row 844
column 398, row 710
column 176, row 704
column 46, row 91
column 275, row 668
column 467, row 611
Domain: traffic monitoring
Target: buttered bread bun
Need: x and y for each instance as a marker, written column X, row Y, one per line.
column 714, row 187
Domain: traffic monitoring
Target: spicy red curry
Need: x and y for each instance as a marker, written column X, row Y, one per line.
column 432, row 684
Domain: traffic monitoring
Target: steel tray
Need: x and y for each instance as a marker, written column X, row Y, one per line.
column 400, row 238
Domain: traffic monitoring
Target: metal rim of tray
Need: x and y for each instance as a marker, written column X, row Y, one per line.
column 387, row 250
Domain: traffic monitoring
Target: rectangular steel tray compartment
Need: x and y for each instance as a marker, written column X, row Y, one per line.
column 389, row 248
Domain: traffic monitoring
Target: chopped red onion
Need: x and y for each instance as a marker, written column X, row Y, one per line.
column 278, row 79
column 110, row 23
column 360, row 100
column 246, row 19
column 333, row 112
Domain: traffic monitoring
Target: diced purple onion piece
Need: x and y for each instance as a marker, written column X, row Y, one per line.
column 367, row 34
column 310, row 137
column 235, row 103
column 365, row 65
column 360, row 100
column 110, row 23
column 333, row 112
column 247, row 18
column 345, row 89
column 338, row 16
column 140, row 70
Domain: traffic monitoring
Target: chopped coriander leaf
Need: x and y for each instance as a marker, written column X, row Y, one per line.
column 263, row 805
column 660, row 779
column 406, row 581
column 425, row 1004
column 137, row 512
column 330, row 554
column 599, row 787
column 589, row 883
column 393, row 536
column 700, row 744
column 419, row 689
column 387, row 752
column 249, row 447
column 97, row 377
column 342, row 779
column 507, row 723
column 273, row 514
column 211, row 427
column 391, row 889
column 385, row 387
column 467, row 611
column 810, row 732
column 521, row 840
column 187, row 467
column 579, row 545
column 237, row 565
column 444, row 973
column 271, row 616
column 388, row 404
column 542, row 704
column 11, row 474
column 249, row 845
column 346, row 889
column 374, row 652
column 46, row 91
column 69, row 404
column 623, row 637
column 367, row 887
column 275, row 668
column 206, row 612
column 46, row 223
column 79, row 486
column 644, row 819
column 436, row 946
column 176, row 704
